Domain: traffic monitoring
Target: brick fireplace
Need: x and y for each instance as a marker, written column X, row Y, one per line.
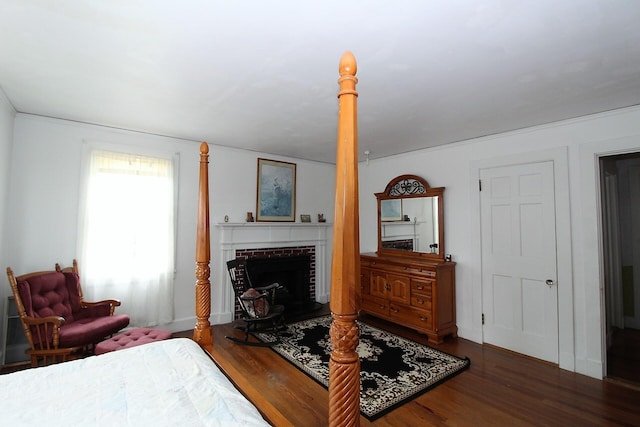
column 291, row 267
column 274, row 240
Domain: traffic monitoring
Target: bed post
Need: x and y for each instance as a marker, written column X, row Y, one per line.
column 344, row 365
column 202, row 331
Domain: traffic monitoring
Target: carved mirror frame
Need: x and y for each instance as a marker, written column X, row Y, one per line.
column 411, row 187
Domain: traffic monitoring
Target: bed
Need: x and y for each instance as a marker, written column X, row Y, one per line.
column 174, row 382
column 156, row 384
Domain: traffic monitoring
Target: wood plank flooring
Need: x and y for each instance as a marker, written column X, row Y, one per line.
column 499, row 389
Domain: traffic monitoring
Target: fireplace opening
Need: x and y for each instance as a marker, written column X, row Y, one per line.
column 293, row 275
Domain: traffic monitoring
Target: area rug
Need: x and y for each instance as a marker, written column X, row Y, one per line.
column 393, row 370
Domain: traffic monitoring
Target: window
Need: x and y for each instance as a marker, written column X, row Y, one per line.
column 128, row 234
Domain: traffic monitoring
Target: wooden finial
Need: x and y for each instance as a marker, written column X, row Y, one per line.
column 204, row 148
column 348, row 66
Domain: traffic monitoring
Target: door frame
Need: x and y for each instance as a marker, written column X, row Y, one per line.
column 622, row 147
column 559, row 158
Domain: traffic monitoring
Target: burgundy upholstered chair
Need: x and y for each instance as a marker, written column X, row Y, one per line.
column 57, row 321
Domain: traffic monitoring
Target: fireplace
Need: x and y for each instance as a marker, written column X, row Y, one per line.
column 292, row 273
column 292, row 267
column 273, row 239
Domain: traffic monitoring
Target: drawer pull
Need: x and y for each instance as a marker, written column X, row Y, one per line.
column 420, row 287
column 420, row 301
column 382, row 307
column 422, row 318
column 395, row 310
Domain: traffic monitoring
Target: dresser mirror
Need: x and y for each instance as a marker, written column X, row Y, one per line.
column 410, row 218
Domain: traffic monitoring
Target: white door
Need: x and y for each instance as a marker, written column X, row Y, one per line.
column 519, row 274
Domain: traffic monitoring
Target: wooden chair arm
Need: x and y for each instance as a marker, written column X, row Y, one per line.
column 35, row 321
column 270, row 291
column 268, row 288
column 112, row 303
column 253, row 298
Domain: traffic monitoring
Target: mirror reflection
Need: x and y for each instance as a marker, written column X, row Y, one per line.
column 410, row 218
column 410, row 224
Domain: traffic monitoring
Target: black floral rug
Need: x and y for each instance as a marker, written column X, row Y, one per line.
column 393, row 370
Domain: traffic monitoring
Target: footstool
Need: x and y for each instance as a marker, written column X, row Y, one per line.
column 131, row 338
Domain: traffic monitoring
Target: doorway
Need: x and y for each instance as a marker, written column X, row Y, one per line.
column 620, row 190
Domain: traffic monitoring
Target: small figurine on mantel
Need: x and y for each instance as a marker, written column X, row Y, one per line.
column 321, row 218
column 249, row 216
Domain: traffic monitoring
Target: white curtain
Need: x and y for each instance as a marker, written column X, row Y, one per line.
column 127, row 238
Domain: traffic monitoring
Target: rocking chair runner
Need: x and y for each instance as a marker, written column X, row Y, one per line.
column 257, row 305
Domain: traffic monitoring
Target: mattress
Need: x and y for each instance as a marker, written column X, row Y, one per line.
column 165, row 383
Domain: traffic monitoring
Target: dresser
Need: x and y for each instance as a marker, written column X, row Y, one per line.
column 413, row 292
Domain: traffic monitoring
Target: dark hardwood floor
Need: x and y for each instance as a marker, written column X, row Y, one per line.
column 500, row 388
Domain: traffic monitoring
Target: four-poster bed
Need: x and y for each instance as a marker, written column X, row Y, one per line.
column 344, row 366
column 173, row 382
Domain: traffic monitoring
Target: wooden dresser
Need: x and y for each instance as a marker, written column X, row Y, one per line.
column 413, row 292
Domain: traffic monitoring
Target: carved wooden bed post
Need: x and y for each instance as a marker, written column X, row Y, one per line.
column 202, row 331
column 344, row 365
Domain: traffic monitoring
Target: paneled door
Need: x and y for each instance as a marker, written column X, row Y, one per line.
column 519, row 270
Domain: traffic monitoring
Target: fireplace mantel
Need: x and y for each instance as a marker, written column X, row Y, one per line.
column 250, row 235
column 266, row 234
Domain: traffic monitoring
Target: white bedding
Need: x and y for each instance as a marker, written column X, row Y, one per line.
column 166, row 383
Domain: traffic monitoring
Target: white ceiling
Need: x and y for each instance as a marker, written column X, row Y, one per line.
column 262, row 75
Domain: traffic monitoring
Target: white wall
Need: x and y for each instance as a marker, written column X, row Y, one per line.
column 41, row 226
column 233, row 182
column 451, row 166
column 42, row 223
column 7, row 115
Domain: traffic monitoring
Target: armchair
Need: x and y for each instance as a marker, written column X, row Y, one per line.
column 56, row 319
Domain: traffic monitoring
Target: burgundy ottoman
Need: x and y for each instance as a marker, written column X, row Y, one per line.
column 131, row 338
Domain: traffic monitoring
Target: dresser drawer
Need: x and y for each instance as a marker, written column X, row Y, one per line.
column 375, row 305
column 422, row 287
column 411, row 316
column 421, row 301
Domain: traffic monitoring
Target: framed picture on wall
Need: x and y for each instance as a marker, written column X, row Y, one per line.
column 391, row 210
column 276, row 193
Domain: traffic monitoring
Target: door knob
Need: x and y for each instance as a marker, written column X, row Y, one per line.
column 549, row 282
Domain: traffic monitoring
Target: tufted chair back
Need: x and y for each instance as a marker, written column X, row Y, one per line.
column 48, row 294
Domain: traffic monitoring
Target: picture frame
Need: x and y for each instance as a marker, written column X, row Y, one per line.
column 305, row 218
column 391, row 210
column 276, row 191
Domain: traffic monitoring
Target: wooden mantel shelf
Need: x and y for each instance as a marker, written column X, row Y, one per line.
column 273, row 224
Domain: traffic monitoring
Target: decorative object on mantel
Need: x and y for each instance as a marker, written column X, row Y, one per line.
column 249, row 217
column 305, row 218
column 276, row 192
column 394, row 370
column 321, row 218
